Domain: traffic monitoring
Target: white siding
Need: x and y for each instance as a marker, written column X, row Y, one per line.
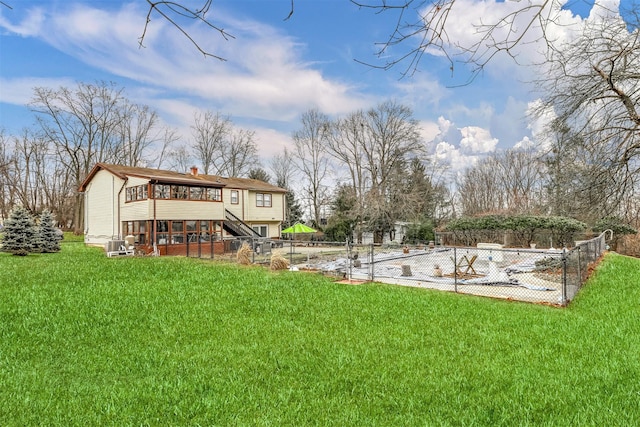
column 255, row 213
column 236, row 209
column 101, row 208
column 187, row 209
column 136, row 211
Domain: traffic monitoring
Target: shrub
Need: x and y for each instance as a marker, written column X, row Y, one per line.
column 419, row 232
column 244, row 254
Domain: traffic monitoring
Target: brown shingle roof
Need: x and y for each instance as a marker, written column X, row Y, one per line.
column 171, row 177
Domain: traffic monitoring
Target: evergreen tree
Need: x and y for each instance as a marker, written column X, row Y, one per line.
column 342, row 221
column 293, row 210
column 47, row 238
column 19, row 232
column 259, row 174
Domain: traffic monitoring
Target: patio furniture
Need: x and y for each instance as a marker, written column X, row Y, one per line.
column 466, row 263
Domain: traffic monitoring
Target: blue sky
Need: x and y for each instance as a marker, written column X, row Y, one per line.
column 275, row 69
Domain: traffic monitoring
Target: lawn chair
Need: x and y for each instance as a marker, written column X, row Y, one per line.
column 122, row 251
column 466, row 263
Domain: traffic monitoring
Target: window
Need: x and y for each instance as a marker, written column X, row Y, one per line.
column 205, row 231
column 179, row 192
column 196, row 193
column 263, row 200
column 162, row 232
column 261, row 229
column 235, row 197
column 180, row 232
column 176, row 192
column 192, row 231
column 161, row 191
column 142, row 191
column 139, row 192
column 214, row 194
column 138, row 229
column 177, row 232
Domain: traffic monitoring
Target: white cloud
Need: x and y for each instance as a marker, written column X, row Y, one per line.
column 264, row 75
column 271, row 143
column 30, row 26
column 524, row 144
column 20, row 91
column 477, row 140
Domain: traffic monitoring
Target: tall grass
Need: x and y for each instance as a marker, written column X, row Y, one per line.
column 88, row 340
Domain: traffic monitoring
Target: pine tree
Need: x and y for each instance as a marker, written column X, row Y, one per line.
column 19, row 232
column 47, row 238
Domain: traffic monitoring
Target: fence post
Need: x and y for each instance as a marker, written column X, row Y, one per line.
column 563, row 300
column 372, row 263
column 348, row 259
column 579, row 248
column 290, row 253
column 455, row 271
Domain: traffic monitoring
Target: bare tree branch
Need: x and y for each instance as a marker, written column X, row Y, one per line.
column 170, row 9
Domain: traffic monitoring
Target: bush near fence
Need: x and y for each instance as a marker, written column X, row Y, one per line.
column 516, row 230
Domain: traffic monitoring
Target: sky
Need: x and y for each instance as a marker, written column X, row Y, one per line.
column 274, row 69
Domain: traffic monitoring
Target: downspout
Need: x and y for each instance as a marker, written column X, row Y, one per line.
column 119, row 194
column 243, row 218
column 155, row 225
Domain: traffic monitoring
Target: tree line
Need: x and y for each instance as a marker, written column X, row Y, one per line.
column 361, row 172
column 368, row 169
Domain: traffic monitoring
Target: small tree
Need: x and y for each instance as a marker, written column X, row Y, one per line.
column 19, row 232
column 47, row 237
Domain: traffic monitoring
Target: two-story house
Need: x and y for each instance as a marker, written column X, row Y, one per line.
column 177, row 211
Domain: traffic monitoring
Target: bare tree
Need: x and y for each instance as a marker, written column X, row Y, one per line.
column 510, row 181
column 222, row 148
column 176, row 12
column 210, row 132
column 168, row 138
column 345, row 143
column 373, row 146
column 30, row 155
column 312, row 160
column 283, row 169
column 239, row 155
column 592, row 86
column 479, row 189
column 137, row 132
column 391, row 137
column 7, row 195
column 82, row 124
column 180, row 158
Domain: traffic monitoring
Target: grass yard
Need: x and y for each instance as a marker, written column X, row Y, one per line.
column 86, row 340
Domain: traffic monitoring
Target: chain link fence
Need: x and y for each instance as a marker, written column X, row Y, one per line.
column 548, row 276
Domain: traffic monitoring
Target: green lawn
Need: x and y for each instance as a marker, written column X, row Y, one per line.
column 87, row 340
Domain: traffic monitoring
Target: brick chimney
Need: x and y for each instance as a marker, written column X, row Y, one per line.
column 194, row 170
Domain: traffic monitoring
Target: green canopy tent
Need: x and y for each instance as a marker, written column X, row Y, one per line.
column 299, row 228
